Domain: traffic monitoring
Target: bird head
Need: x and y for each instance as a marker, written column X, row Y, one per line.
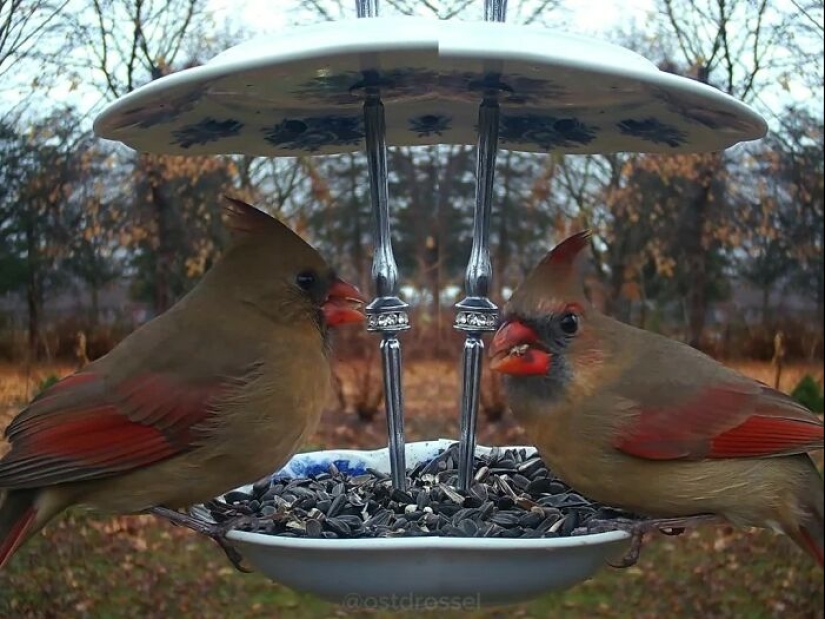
column 271, row 268
column 543, row 332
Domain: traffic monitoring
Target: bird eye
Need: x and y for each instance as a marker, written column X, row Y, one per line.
column 569, row 323
column 306, row 279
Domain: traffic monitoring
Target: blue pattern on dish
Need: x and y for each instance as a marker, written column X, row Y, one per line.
column 430, row 124
column 512, row 88
column 695, row 110
column 348, row 87
column 315, row 132
column 166, row 112
column 355, row 462
column 653, row 130
column 303, row 466
column 206, row 131
column 546, row 132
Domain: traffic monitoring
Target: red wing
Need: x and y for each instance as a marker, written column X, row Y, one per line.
column 82, row 429
column 724, row 421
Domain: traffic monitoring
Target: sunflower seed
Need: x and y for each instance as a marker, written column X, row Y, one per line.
column 336, row 505
column 512, row 495
column 314, row 528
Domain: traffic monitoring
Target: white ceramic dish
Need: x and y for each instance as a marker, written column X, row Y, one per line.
column 442, row 570
column 302, row 91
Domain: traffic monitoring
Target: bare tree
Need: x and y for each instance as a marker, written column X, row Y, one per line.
column 23, row 25
column 127, row 43
column 734, row 45
column 29, row 38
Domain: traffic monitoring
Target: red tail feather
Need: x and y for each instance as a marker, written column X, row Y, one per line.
column 811, row 545
column 16, row 518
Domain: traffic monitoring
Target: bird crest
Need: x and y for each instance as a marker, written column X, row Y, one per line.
column 555, row 280
column 244, row 220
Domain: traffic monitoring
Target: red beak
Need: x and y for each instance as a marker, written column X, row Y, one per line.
column 343, row 304
column 516, row 350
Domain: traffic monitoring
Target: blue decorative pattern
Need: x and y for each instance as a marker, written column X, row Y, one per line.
column 352, row 462
column 430, row 124
column 313, row 133
column 653, row 130
column 206, row 131
column 166, row 112
column 409, row 82
column 513, row 88
column 546, row 132
column 348, row 87
column 310, row 465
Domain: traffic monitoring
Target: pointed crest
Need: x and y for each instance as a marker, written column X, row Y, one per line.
column 564, row 254
column 244, row 220
column 555, row 279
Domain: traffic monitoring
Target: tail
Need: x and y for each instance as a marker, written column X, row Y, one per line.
column 810, row 521
column 18, row 514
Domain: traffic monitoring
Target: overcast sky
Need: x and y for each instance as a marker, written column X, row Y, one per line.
column 589, row 17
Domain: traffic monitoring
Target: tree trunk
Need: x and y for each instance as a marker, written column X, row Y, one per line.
column 164, row 253
column 33, row 291
column 358, row 258
column 95, row 297
column 766, row 299
column 34, row 306
column 696, row 252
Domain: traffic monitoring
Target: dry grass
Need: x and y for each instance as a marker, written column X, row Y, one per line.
column 95, row 566
column 790, row 376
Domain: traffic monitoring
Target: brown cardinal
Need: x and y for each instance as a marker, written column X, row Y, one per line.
column 642, row 422
column 217, row 392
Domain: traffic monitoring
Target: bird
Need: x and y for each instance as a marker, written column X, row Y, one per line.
column 217, row 392
column 642, row 422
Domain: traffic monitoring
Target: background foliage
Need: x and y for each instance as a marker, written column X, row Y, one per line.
column 724, row 251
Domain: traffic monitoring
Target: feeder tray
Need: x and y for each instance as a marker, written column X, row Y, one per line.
column 302, row 92
column 488, row 570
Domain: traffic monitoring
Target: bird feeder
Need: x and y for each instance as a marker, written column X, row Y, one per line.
column 373, row 82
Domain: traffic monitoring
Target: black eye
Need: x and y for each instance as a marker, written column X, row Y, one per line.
column 569, row 324
column 306, row 280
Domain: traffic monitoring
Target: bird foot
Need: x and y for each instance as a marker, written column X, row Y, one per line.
column 638, row 529
column 215, row 531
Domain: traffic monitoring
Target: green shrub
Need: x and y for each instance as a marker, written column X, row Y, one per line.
column 47, row 382
column 809, row 393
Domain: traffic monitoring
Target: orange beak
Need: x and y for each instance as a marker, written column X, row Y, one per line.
column 516, row 350
column 343, row 304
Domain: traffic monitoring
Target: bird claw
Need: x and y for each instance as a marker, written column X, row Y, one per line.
column 638, row 529
column 215, row 531
column 631, row 557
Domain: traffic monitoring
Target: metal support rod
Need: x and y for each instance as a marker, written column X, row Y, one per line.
column 386, row 313
column 494, row 10
column 366, row 8
column 391, row 364
column 476, row 313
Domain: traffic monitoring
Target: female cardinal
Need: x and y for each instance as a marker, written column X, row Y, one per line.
column 642, row 422
column 217, row 392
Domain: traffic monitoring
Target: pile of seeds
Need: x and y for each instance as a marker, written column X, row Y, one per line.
column 512, row 496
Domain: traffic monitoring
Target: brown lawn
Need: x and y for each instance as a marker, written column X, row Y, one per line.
column 86, row 565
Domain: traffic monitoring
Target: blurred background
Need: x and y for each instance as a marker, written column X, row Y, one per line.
column 723, row 251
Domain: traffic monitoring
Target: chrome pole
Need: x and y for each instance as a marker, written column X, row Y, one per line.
column 386, row 313
column 494, row 10
column 476, row 313
column 366, row 8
